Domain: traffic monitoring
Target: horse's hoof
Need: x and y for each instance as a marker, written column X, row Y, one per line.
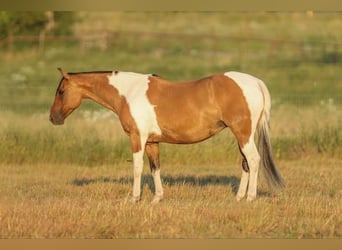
column 134, row 200
column 251, row 198
column 156, row 199
column 239, row 198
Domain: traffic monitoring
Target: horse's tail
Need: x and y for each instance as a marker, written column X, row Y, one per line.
column 268, row 166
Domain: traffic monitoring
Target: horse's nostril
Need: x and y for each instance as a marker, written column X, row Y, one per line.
column 52, row 120
column 56, row 120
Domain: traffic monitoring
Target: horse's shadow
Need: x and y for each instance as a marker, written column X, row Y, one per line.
column 168, row 180
column 202, row 181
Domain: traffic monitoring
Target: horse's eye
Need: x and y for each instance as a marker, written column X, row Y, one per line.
column 60, row 92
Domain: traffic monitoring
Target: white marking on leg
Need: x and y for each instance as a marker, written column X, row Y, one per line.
column 138, row 164
column 253, row 158
column 252, row 91
column 158, row 185
column 133, row 87
column 157, row 182
column 243, row 186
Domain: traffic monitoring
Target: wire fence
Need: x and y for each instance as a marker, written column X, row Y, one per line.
column 328, row 52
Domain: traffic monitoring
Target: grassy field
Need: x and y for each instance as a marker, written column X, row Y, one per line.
column 74, row 181
column 58, row 182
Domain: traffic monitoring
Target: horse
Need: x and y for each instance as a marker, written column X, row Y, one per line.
column 154, row 110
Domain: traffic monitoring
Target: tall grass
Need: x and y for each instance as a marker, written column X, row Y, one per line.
column 94, row 138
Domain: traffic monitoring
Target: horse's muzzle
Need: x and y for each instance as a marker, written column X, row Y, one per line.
column 56, row 120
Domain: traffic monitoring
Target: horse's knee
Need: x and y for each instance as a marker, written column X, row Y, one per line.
column 252, row 157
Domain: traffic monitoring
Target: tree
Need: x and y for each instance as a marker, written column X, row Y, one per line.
column 23, row 23
column 63, row 22
column 34, row 22
column 4, row 24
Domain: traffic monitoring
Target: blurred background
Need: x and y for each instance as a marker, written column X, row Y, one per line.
column 297, row 54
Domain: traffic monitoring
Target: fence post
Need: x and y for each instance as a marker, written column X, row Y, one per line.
column 41, row 41
column 10, row 40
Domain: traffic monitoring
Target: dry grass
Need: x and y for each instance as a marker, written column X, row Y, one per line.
column 53, row 201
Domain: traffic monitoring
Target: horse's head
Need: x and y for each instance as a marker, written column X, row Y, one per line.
column 68, row 97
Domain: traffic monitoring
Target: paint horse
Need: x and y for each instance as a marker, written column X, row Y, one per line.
column 153, row 110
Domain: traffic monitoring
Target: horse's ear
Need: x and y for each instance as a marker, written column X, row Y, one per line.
column 64, row 74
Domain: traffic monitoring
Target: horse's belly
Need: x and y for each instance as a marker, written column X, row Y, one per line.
column 189, row 134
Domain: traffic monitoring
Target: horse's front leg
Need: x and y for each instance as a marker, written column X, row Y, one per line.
column 152, row 152
column 137, row 145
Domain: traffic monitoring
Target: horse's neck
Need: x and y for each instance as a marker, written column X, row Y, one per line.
column 102, row 93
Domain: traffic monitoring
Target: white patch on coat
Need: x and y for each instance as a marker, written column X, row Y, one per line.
column 253, row 158
column 133, row 87
column 138, row 163
column 253, row 94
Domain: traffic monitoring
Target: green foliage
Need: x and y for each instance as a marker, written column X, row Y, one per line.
column 15, row 23
column 64, row 21
column 33, row 22
column 4, row 24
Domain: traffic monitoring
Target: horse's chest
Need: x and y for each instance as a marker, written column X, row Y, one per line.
column 138, row 113
column 144, row 115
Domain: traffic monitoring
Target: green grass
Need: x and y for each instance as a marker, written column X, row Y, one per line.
column 292, row 74
column 74, row 181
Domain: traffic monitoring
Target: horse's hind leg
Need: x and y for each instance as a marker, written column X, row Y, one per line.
column 250, row 151
column 152, row 152
column 250, row 161
column 244, row 180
